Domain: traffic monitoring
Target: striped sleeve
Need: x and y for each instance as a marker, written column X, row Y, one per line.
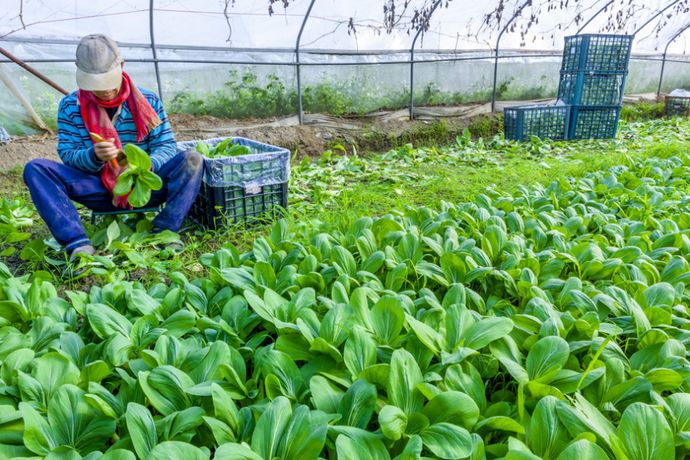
column 162, row 146
column 72, row 149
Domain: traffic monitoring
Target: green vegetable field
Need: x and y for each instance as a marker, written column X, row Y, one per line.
column 483, row 300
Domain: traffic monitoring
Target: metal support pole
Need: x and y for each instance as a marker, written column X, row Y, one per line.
column 498, row 41
column 300, row 112
column 154, row 53
column 320, row 64
column 663, row 60
column 594, row 16
column 414, row 43
column 661, row 76
column 412, row 80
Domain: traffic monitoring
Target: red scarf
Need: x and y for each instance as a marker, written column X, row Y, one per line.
column 96, row 120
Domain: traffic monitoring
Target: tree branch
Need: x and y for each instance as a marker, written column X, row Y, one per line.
column 227, row 18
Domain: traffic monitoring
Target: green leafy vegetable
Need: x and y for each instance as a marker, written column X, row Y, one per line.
column 138, row 180
column 545, row 321
column 226, row 148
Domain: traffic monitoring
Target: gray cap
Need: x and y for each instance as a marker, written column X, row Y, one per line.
column 99, row 63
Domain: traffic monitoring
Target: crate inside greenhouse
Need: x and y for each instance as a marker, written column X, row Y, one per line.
column 677, row 103
column 591, row 88
column 326, row 229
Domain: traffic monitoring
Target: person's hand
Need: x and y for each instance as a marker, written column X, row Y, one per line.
column 122, row 159
column 105, row 151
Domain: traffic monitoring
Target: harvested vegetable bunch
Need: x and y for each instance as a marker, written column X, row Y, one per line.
column 138, row 180
column 226, row 148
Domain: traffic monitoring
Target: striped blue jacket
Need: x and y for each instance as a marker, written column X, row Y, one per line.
column 76, row 149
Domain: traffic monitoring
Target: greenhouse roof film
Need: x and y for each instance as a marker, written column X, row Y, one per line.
column 184, row 47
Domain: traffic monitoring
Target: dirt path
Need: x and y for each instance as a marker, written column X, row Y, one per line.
column 377, row 131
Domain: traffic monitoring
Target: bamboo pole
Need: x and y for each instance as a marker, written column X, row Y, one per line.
column 23, row 100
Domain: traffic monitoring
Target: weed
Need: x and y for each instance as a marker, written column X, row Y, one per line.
column 642, row 111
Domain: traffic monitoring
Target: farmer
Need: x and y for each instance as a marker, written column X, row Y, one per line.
column 110, row 105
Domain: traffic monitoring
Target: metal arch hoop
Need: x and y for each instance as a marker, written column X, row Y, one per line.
column 414, row 43
column 658, row 13
column 300, row 111
column 609, row 3
column 663, row 59
column 498, row 41
column 154, row 53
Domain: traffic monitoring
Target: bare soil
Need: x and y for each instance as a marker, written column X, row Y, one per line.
column 315, row 135
column 374, row 132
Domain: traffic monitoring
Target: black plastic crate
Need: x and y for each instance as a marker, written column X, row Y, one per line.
column 677, row 106
column 545, row 122
column 597, row 53
column 266, row 163
column 581, row 88
column 247, row 188
column 593, row 122
column 226, row 205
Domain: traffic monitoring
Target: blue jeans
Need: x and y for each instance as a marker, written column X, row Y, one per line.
column 53, row 187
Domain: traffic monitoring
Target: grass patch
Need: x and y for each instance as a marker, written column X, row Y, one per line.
column 371, row 188
column 462, row 182
column 642, row 111
column 435, row 133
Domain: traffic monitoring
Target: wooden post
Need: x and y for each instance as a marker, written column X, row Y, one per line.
column 32, row 71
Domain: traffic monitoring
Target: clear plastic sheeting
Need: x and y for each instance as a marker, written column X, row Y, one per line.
column 4, row 135
column 654, row 38
column 355, row 25
column 265, row 165
column 213, row 56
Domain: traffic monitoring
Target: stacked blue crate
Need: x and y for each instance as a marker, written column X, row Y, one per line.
column 593, row 74
column 590, row 93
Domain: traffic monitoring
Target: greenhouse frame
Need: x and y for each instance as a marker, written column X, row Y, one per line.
column 326, row 38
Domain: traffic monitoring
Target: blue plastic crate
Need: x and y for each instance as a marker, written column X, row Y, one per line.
column 597, row 53
column 584, row 88
column 246, row 188
column 594, row 122
column 545, row 122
